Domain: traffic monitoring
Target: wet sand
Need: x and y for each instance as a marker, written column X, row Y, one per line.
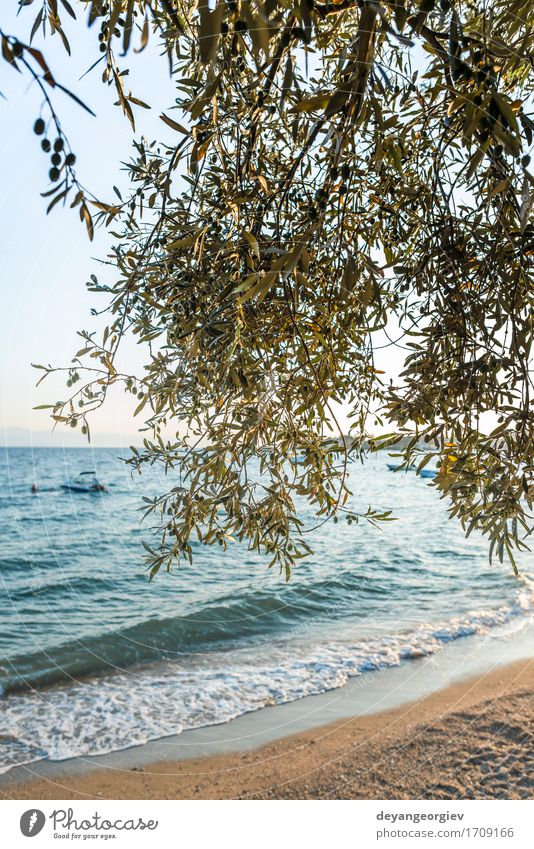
column 473, row 740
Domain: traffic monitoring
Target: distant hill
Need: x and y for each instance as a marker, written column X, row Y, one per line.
column 19, row 437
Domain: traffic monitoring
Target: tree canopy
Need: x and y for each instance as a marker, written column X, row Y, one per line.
column 328, row 171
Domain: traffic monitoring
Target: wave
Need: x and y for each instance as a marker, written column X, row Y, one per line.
column 228, row 621
column 102, row 714
column 57, row 589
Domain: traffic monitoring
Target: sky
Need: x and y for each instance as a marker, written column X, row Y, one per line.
column 45, row 261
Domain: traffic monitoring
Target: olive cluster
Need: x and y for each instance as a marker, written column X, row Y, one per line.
column 131, row 386
column 104, row 34
column 342, row 176
column 59, row 157
column 260, row 104
column 344, row 173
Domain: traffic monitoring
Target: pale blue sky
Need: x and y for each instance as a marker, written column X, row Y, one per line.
column 45, row 260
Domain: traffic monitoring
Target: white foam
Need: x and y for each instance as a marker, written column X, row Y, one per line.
column 99, row 715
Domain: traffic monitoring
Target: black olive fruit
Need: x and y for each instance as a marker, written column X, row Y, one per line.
column 39, row 127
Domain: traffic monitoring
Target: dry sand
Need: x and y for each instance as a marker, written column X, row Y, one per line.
column 473, row 740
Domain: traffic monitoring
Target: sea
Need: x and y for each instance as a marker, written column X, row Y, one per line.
column 94, row 658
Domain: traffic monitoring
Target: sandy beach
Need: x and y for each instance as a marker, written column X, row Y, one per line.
column 473, row 740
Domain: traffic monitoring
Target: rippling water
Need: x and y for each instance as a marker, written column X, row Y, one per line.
column 94, row 658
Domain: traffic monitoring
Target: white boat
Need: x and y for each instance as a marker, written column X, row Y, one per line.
column 85, row 482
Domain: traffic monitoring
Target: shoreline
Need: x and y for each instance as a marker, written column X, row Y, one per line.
column 472, row 739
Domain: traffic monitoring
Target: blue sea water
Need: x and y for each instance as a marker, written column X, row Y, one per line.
column 94, row 658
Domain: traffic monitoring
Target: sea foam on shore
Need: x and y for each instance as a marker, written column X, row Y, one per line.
column 101, row 714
